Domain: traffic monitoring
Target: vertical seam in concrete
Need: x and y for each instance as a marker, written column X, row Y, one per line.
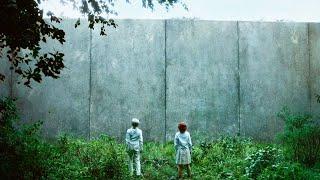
column 11, row 84
column 165, row 80
column 90, row 79
column 309, row 61
column 238, row 79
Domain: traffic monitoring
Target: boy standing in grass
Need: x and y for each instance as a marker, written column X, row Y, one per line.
column 134, row 142
column 183, row 145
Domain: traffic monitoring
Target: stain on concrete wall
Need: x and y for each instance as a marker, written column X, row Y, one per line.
column 128, row 79
column 62, row 104
column 202, row 77
column 5, row 86
column 220, row 77
column 274, row 71
column 314, row 47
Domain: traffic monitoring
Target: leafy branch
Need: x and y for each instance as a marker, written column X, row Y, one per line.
column 23, row 28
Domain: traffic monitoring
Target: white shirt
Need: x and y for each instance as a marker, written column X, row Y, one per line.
column 134, row 139
column 182, row 141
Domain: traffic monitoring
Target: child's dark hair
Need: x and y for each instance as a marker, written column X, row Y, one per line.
column 134, row 124
column 182, row 126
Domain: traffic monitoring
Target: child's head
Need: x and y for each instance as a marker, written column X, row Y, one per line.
column 135, row 122
column 182, row 126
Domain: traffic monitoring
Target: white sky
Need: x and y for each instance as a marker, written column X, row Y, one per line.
column 242, row 10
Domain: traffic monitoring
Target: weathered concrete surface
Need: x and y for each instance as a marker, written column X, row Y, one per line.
column 62, row 104
column 202, row 77
column 274, row 71
column 314, row 45
column 5, row 87
column 128, row 79
column 166, row 71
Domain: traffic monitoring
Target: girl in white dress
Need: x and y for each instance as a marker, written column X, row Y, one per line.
column 183, row 146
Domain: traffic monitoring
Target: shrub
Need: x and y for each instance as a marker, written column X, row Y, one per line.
column 233, row 146
column 221, row 159
column 102, row 158
column 158, row 161
column 262, row 159
column 24, row 155
column 22, row 152
column 301, row 137
column 288, row 170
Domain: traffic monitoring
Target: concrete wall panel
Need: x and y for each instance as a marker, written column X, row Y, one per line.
column 128, row 79
column 314, row 45
column 274, row 71
column 220, row 77
column 202, row 77
column 62, row 104
column 5, row 86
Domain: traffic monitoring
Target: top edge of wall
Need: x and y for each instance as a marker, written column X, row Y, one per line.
column 195, row 19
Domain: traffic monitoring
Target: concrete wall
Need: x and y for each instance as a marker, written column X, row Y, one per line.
column 5, row 87
column 63, row 104
column 314, row 47
column 223, row 78
column 202, row 77
column 128, row 79
column 274, row 72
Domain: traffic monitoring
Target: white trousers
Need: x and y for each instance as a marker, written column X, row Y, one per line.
column 134, row 158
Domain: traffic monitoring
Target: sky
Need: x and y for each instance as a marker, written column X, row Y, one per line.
column 222, row 10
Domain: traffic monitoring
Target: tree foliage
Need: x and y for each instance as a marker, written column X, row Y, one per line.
column 317, row 98
column 23, row 28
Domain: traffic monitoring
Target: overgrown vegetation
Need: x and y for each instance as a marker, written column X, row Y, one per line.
column 24, row 155
column 301, row 137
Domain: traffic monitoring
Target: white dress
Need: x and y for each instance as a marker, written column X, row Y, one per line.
column 183, row 145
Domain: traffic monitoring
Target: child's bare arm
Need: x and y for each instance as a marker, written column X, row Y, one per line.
column 127, row 137
column 141, row 141
column 190, row 142
column 176, row 142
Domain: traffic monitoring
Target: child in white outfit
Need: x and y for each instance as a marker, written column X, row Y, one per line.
column 183, row 146
column 134, row 142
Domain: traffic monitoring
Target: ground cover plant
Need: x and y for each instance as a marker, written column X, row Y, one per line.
column 25, row 155
column 301, row 136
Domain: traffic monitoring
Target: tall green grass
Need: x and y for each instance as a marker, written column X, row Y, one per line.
column 25, row 155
